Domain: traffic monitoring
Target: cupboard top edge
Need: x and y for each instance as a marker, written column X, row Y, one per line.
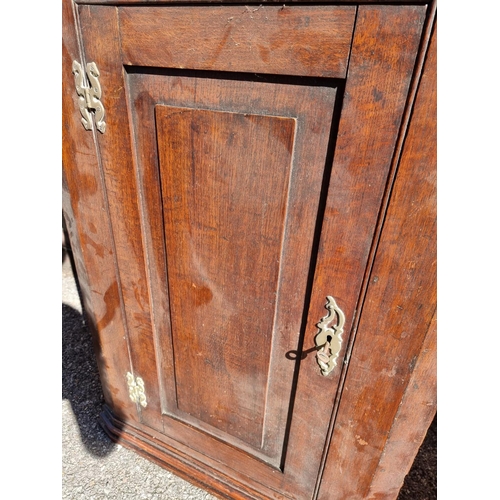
column 244, row 2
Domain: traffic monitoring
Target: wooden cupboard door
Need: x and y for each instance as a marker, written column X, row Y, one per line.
column 238, row 175
column 228, row 215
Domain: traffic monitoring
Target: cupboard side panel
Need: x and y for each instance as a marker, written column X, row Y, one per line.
column 123, row 198
column 415, row 414
column 85, row 211
column 397, row 314
column 418, row 405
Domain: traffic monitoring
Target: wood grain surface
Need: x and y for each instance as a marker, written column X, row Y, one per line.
column 383, row 55
column 419, row 403
column 115, row 148
column 87, row 220
column 253, row 40
column 311, row 108
column 396, row 335
column 223, row 258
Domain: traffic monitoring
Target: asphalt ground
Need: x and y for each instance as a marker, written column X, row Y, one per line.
column 95, row 468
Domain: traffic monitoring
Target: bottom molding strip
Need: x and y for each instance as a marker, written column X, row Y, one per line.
column 187, row 468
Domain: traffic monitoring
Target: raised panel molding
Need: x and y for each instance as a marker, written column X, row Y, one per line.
column 224, row 180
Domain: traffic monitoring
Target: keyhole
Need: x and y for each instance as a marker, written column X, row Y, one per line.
column 329, row 339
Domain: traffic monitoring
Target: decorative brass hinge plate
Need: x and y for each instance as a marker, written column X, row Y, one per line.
column 89, row 96
column 136, row 389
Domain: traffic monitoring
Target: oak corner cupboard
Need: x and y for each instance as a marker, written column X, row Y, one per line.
column 249, row 191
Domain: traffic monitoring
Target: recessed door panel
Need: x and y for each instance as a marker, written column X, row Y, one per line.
column 224, row 183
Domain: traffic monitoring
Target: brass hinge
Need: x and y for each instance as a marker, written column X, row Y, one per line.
column 89, row 96
column 136, row 389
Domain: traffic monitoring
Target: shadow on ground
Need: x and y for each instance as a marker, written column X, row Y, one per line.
column 80, row 381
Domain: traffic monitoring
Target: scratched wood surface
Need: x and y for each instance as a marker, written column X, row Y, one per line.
column 256, row 40
column 115, row 148
column 385, row 45
column 419, row 403
column 87, row 221
column 217, row 254
column 373, row 433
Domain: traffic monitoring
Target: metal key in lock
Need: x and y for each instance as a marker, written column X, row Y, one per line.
column 329, row 338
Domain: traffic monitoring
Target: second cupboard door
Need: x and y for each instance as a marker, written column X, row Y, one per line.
column 224, row 126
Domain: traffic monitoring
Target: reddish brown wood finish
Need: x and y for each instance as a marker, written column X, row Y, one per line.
column 418, row 405
column 411, row 423
column 309, row 106
column 115, row 149
column 224, row 225
column 256, row 40
column 145, row 351
column 85, row 211
column 382, row 417
column 218, row 478
column 377, row 83
column 220, row 228
column 312, row 108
